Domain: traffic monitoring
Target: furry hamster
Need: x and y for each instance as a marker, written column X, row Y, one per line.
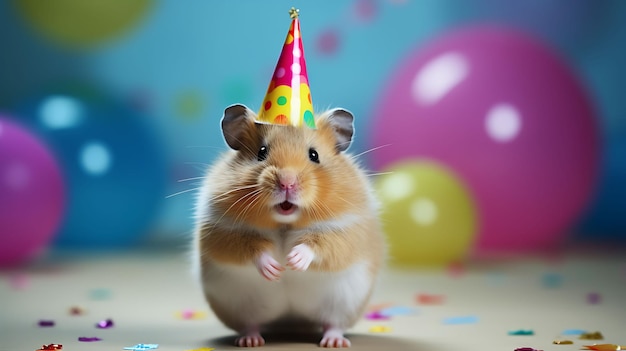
column 287, row 228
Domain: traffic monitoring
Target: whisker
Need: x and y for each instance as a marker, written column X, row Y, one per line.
column 181, row 192
column 231, row 191
column 377, row 174
column 370, row 150
column 188, row 179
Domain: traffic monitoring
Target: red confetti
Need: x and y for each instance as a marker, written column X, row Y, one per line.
column 604, row 347
column 51, row 347
column 430, row 299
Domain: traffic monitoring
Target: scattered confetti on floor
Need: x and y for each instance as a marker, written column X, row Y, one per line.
column 100, row 294
column 398, row 311
column 89, row 339
column 573, row 332
column 552, row 280
column 140, row 347
column 604, row 347
column 105, row 324
column 191, row 315
column 376, row 315
column 522, row 332
column 562, row 342
column 77, row 311
column 461, row 320
column 430, row 299
column 46, row 323
column 591, row 336
column 593, row 298
column 380, row 329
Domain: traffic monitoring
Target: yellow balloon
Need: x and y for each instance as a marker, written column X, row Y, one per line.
column 427, row 213
column 82, row 23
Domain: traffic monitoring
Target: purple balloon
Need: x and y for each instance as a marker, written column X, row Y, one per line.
column 506, row 114
column 31, row 194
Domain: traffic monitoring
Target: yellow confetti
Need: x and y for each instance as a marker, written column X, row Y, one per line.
column 562, row 342
column 592, row 336
column 380, row 329
column 203, row 349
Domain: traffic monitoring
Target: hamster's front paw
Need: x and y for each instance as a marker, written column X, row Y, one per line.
column 300, row 257
column 269, row 268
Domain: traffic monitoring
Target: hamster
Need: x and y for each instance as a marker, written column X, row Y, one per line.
column 287, row 228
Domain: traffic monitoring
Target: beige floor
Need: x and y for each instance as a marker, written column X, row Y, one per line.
column 142, row 292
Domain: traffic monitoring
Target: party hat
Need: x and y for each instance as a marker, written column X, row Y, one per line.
column 288, row 97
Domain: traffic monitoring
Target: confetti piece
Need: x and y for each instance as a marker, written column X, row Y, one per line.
column 604, row 347
column 552, row 280
column 397, row 311
column 380, row 329
column 191, row 314
column 456, row 269
column 430, row 299
column 19, row 281
column 593, row 298
column 76, row 311
column 100, row 294
column 51, row 347
column 203, row 349
column 376, row 316
column 563, row 342
column 46, row 323
column 522, row 332
column 591, row 336
column 89, row 339
column 140, row 347
column 526, row 349
column 573, row 332
column 105, row 324
column 461, row 320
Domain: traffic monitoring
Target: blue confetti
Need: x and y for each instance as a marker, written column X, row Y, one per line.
column 573, row 332
column 397, row 311
column 461, row 320
column 141, row 347
column 552, row 280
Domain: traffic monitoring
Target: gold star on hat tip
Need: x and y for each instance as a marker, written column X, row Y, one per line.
column 294, row 13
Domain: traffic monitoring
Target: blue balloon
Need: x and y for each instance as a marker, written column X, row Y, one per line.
column 606, row 219
column 113, row 162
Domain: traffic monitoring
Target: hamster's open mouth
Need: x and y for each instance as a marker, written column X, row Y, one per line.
column 286, row 208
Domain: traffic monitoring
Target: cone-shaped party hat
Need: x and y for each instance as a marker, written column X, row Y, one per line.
column 288, row 97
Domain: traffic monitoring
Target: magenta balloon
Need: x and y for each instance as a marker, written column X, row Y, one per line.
column 506, row 114
column 31, row 194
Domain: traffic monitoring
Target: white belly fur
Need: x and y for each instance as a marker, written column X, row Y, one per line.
column 320, row 297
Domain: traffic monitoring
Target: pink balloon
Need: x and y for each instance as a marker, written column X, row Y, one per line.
column 31, row 195
column 510, row 117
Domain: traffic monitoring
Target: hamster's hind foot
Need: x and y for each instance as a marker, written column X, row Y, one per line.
column 333, row 337
column 251, row 338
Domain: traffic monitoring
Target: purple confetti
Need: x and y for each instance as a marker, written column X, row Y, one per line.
column 106, row 324
column 593, row 298
column 46, row 323
column 88, row 339
column 376, row 315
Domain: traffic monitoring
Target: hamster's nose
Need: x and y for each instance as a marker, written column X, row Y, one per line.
column 287, row 180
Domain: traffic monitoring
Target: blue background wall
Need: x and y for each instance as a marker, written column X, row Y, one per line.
column 178, row 64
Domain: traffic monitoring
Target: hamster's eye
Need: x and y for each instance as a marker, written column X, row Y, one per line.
column 262, row 153
column 313, row 155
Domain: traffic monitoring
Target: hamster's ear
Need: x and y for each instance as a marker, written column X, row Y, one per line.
column 341, row 121
column 236, row 123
